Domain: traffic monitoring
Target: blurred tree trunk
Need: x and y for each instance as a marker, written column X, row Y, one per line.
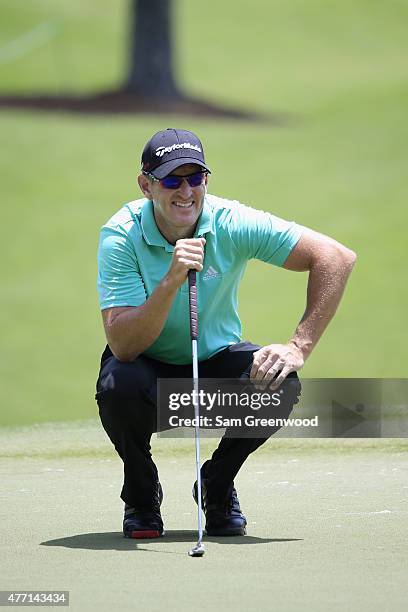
column 150, row 85
column 151, row 72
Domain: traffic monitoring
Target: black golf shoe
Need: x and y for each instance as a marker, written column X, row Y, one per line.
column 144, row 522
column 221, row 519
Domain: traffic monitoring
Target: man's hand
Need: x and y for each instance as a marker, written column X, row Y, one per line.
column 274, row 358
column 188, row 255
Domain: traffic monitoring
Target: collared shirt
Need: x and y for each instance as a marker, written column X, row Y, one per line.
column 133, row 258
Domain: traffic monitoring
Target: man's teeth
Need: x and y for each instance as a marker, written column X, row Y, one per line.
column 183, row 204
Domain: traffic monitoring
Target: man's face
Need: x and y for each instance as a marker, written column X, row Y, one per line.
column 176, row 210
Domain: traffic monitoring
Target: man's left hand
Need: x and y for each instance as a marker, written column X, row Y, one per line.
column 273, row 359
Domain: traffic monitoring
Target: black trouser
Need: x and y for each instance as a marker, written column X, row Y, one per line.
column 126, row 396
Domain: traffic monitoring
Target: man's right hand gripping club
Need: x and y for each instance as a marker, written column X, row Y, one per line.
column 130, row 330
column 188, row 255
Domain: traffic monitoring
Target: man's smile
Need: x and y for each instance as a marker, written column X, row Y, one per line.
column 183, row 204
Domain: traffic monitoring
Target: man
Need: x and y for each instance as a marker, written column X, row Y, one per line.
column 145, row 253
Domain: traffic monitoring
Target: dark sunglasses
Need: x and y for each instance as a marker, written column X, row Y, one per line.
column 172, row 181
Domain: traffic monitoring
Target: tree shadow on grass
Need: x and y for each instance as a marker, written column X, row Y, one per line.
column 121, row 102
column 114, row 540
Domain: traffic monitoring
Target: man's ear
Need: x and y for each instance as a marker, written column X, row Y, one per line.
column 145, row 185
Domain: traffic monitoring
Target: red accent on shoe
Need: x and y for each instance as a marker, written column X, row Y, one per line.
column 152, row 533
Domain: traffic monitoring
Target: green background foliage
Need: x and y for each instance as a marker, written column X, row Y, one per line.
column 337, row 70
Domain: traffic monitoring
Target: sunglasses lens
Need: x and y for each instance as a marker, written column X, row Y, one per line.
column 174, row 182
column 171, row 182
column 195, row 179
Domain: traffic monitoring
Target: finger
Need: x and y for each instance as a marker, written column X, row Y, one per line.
column 279, row 380
column 264, row 367
column 185, row 255
column 192, row 265
column 190, row 257
column 269, row 376
column 194, row 250
column 191, row 242
column 274, row 369
column 258, row 360
column 272, row 365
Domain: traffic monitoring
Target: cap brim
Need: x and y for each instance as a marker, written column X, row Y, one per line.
column 168, row 167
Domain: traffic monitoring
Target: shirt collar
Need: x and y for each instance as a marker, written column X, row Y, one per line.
column 205, row 222
column 151, row 232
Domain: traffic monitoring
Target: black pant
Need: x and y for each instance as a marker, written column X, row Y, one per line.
column 126, row 396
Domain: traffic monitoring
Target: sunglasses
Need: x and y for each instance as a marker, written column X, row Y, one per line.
column 172, row 181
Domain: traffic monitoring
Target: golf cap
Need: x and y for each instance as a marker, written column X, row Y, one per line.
column 169, row 149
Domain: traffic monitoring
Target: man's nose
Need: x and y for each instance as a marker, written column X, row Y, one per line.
column 185, row 189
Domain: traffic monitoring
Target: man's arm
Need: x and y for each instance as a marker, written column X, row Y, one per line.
column 329, row 264
column 130, row 330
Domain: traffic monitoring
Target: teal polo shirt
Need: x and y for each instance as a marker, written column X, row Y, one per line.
column 134, row 256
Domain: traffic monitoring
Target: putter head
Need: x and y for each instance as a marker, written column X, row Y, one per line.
column 197, row 551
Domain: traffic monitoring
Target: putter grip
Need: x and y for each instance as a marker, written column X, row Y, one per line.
column 192, row 291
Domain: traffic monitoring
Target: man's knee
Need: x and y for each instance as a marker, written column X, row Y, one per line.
column 127, row 379
column 126, row 397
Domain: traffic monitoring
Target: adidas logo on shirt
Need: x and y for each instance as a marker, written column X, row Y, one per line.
column 211, row 273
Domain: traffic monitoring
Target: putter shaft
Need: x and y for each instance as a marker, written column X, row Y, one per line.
column 197, row 441
column 199, row 549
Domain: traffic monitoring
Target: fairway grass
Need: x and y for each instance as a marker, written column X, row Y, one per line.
column 338, row 75
column 325, row 527
column 87, row 439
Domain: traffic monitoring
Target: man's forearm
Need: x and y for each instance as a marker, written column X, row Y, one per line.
column 327, row 280
column 133, row 330
column 329, row 264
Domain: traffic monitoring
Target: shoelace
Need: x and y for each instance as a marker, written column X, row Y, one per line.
column 233, row 502
column 231, row 505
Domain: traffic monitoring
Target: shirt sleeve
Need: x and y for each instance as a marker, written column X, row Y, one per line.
column 261, row 235
column 119, row 280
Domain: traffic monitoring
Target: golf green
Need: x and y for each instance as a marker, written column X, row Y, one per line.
column 325, row 525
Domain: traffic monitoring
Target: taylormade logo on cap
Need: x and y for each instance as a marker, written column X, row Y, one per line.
column 160, row 151
column 169, row 149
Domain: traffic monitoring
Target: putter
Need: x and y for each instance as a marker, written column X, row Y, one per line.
column 198, row 550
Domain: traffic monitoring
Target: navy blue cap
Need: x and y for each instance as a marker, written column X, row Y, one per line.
column 169, row 149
